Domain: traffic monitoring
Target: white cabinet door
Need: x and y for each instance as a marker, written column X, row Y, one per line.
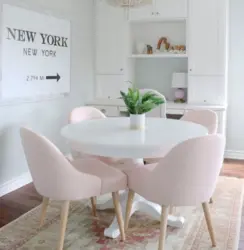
column 206, row 44
column 143, row 12
column 109, row 86
column 171, row 8
column 110, row 39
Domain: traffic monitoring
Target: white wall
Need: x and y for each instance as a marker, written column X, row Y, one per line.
column 235, row 124
column 49, row 116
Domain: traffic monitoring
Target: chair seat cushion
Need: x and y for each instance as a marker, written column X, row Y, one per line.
column 112, row 179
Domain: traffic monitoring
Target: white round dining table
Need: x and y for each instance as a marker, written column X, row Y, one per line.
column 112, row 137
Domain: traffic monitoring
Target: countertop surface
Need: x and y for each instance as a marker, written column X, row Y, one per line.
column 170, row 105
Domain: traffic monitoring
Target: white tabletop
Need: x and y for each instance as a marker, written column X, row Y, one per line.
column 112, row 137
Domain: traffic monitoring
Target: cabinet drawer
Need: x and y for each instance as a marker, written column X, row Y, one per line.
column 175, row 111
column 109, row 111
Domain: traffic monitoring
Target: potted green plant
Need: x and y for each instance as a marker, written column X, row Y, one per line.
column 138, row 105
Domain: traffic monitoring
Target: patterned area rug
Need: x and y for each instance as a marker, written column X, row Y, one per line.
column 86, row 232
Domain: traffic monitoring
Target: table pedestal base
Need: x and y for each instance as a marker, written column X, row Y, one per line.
column 139, row 204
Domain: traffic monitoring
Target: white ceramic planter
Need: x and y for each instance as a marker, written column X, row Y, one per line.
column 137, row 121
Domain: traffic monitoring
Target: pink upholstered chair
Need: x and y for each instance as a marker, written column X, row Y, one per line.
column 81, row 114
column 85, row 113
column 186, row 176
column 56, row 178
column 88, row 113
column 207, row 118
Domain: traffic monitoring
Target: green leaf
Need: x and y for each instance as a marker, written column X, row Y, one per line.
column 137, row 103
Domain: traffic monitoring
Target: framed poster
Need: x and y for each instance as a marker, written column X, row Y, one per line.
column 35, row 54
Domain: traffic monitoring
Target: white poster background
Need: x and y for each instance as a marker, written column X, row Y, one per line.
column 23, row 75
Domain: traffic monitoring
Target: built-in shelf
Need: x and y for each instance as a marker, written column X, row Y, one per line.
column 160, row 55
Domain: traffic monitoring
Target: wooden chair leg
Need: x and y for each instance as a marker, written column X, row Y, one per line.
column 119, row 214
column 45, row 203
column 163, row 228
column 209, row 223
column 63, row 224
column 211, row 200
column 94, row 206
column 131, row 195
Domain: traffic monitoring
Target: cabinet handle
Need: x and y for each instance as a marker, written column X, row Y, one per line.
column 190, row 69
column 158, row 13
column 152, row 13
column 103, row 111
column 121, row 69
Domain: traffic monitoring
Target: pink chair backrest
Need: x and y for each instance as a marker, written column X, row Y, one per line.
column 207, row 118
column 188, row 174
column 85, row 113
column 163, row 106
column 52, row 174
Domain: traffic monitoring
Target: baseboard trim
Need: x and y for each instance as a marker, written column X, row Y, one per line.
column 15, row 183
column 232, row 154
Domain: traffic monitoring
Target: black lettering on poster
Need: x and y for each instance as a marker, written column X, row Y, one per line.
column 27, row 36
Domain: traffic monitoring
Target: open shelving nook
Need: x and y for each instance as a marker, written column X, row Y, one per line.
column 155, row 70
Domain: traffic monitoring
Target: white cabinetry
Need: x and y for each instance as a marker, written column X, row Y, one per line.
column 207, row 51
column 112, row 108
column 144, row 12
column 207, row 37
column 171, row 8
column 167, row 9
column 110, row 39
column 110, row 49
column 201, row 25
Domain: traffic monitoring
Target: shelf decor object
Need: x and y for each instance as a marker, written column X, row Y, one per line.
column 140, row 47
column 128, row 3
column 179, row 83
column 159, row 55
column 138, row 105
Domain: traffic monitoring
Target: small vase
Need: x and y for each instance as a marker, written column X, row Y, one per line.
column 137, row 121
column 140, row 48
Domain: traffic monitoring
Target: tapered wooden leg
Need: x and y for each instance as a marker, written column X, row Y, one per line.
column 211, row 200
column 63, row 224
column 209, row 223
column 163, row 228
column 45, row 203
column 131, row 195
column 119, row 214
column 94, row 206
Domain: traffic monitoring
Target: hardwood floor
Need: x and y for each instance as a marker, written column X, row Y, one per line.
column 17, row 203
column 24, row 199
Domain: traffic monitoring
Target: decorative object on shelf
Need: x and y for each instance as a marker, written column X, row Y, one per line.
column 128, row 3
column 149, row 49
column 163, row 45
column 179, row 82
column 177, row 49
column 140, row 48
column 139, row 104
